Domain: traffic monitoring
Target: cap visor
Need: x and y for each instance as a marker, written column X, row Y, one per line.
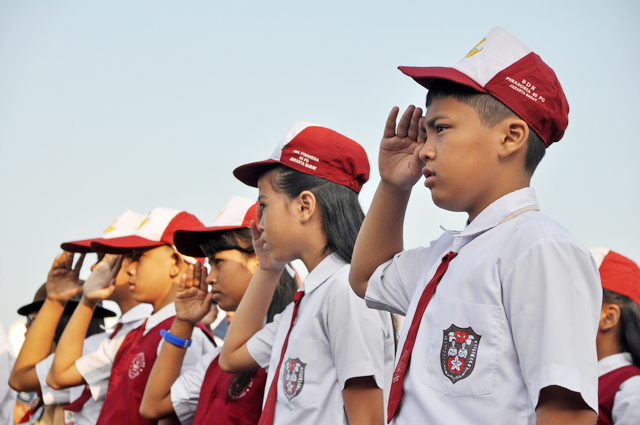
column 123, row 245
column 425, row 76
column 83, row 246
column 68, row 309
column 249, row 174
column 188, row 241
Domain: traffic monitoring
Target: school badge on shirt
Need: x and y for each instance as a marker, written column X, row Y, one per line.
column 293, row 377
column 459, row 352
column 137, row 365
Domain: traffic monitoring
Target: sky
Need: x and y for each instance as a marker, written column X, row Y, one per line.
column 108, row 106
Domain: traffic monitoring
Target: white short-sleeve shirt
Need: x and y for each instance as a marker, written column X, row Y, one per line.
column 95, row 367
column 516, row 311
column 7, row 395
column 626, row 403
column 335, row 337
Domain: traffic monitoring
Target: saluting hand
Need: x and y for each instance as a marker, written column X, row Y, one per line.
column 193, row 299
column 63, row 281
column 102, row 281
column 399, row 164
column 265, row 260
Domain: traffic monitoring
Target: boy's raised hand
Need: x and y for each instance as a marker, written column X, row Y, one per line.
column 193, row 299
column 400, row 166
column 101, row 283
column 63, row 281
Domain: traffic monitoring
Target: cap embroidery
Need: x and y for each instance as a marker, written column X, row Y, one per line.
column 143, row 223
column 304, row 158
column 111, row 228
column 475, row 49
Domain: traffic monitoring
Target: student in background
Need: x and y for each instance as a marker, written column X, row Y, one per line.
column 618, row 340
column 206, row 394
column 154, row 275
column 327, row 354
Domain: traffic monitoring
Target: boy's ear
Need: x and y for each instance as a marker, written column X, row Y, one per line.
column 177, row 264
column 306, row 206
column 609, row 317
column 515, row 133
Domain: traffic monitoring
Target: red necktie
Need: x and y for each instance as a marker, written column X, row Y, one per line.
column 395, row 394
column 270, row 405
column 86, row 393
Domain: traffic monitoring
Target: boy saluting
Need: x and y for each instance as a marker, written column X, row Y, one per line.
column 501, row 317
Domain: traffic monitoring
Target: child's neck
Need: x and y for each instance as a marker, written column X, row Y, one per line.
column 127, row 304
column 311, row 261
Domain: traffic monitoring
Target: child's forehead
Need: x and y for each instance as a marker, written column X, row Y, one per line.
column 447, row 106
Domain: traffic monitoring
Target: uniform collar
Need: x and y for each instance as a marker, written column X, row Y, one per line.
column 139, row 312
column 322, row 272
column 160, row 316
column 493, row 215
column 613, row 362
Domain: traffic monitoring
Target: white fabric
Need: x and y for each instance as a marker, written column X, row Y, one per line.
column 7, row 395
column 527, row 287
column 336, row 336
column 295, row 129
column 234, row 212
column 497, row 51
column 125, row 225
column 185, row 392
column 89, row 413
column 96, row 367
column 156, row 223
column 626, row 403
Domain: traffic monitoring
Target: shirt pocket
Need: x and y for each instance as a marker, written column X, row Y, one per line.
column 298, row 386
column 463, row 349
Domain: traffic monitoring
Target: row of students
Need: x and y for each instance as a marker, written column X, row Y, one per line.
column 483, row 305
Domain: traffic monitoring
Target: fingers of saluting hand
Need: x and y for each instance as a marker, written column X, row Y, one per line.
column 390, row 126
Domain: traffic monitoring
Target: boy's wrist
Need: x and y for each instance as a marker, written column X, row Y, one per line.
column 390, row 190
column 182, row 328
column 88, row 302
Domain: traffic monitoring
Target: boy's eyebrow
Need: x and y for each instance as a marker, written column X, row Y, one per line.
column 432, row 120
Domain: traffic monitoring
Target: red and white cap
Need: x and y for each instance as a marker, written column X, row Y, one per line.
column 508, row 70
column 317, row 151
column 618, row 273
column 125, row 225
column 157, row 229
column 236, row 214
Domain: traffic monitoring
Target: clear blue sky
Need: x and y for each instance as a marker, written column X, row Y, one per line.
column 107, row 106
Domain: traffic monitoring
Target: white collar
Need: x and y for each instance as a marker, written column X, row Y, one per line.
column 613, row 362
column 493, row 215
column 139, row 312
column 160, row 316
column 323, row 271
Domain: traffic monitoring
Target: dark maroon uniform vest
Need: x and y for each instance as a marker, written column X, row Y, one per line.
column 216, row 406
column 608, row 385
column 129, row 375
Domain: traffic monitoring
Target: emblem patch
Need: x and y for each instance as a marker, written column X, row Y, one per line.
column 137, row 365
column 459, row 352
column 293, row 377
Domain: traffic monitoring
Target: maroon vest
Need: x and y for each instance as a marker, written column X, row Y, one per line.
column 608, row 385
column 215, row 406
column 129, row 375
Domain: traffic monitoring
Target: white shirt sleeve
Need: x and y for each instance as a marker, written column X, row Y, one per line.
column 95, row 367
column 552, row 298
column 358, row 336
column 393, row 284
column 49, row 395
column 7, row 395
column 261, row 344
column 185, row 392
column 626, row 404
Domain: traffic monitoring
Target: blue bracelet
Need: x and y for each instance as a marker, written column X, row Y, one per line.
column 177, row 341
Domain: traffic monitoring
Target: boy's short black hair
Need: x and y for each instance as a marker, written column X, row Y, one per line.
column 491, row 112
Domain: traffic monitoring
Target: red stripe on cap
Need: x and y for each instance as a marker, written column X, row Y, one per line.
column 621, row 275
column 531, row 89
